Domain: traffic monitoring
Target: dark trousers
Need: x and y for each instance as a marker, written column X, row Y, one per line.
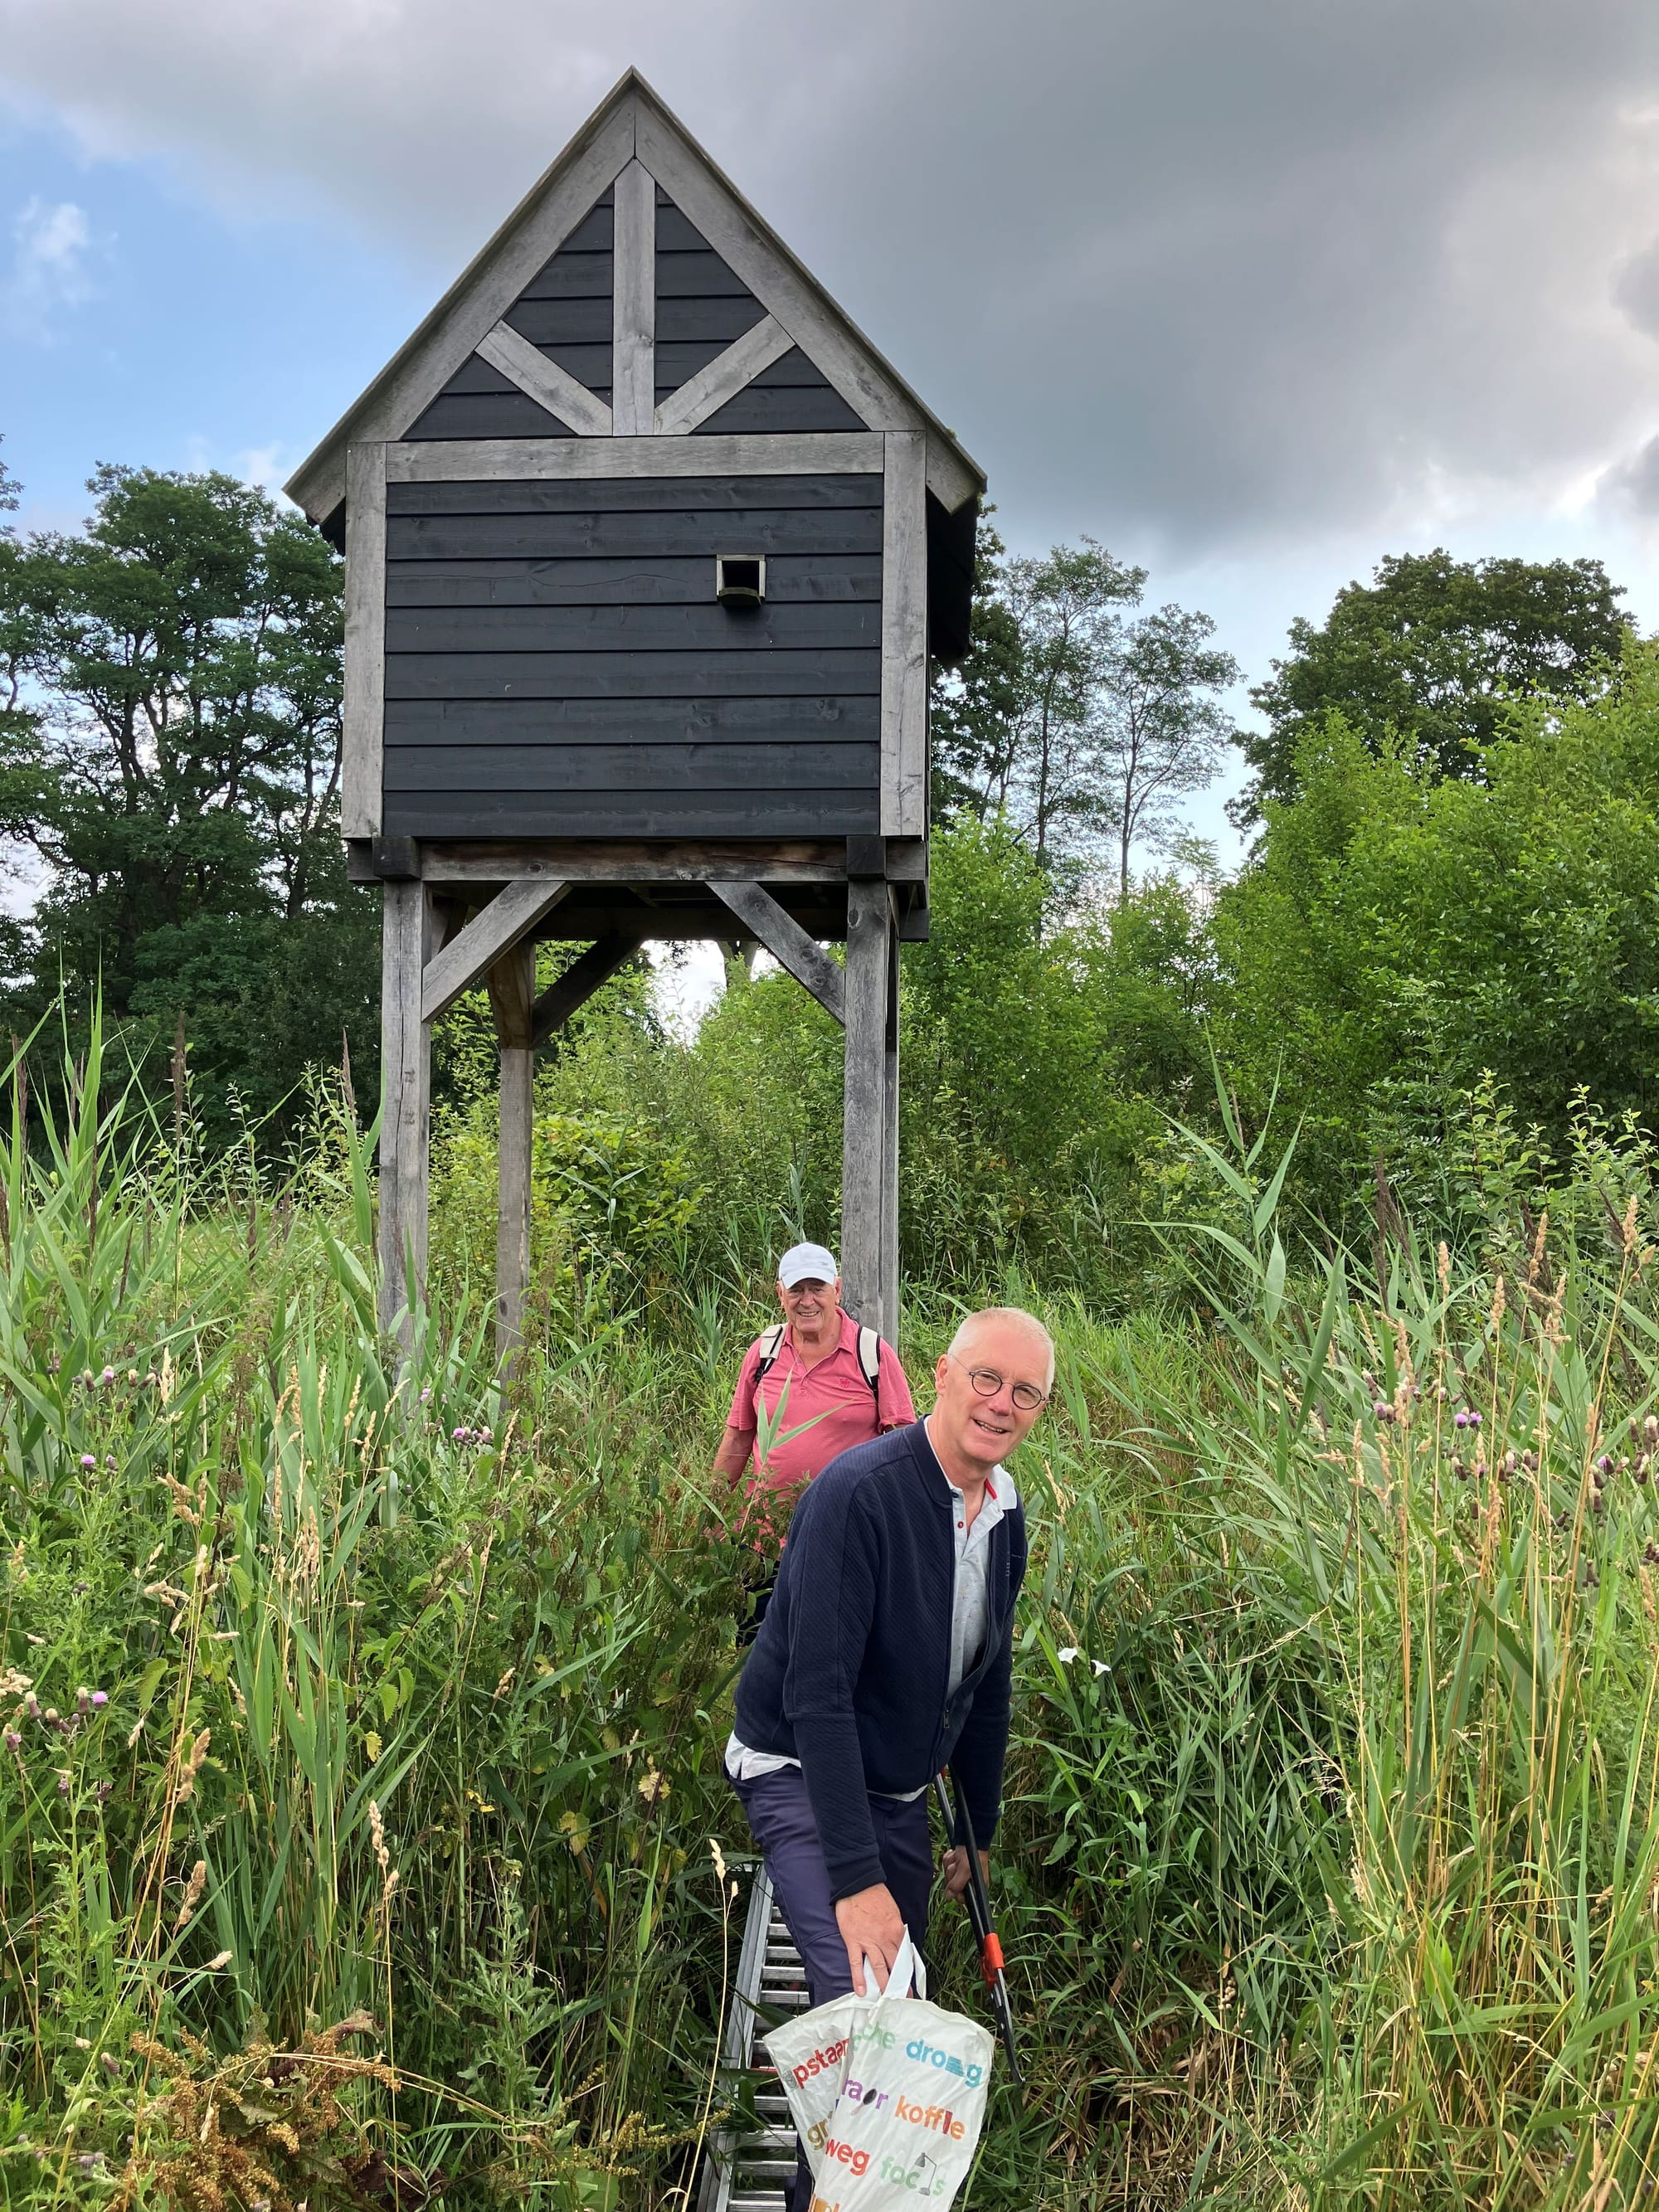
column 781, row 1823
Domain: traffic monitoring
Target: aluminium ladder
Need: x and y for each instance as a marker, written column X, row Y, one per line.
column 745, row 2170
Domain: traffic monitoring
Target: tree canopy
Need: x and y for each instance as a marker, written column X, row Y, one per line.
column 1433, row 652
column 170, row 759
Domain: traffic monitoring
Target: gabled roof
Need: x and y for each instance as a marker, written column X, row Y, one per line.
column 631, row 124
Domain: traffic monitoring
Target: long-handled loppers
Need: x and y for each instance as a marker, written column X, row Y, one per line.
column 978, row 1902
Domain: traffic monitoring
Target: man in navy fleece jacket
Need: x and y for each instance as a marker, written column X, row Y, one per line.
column 886, row 1652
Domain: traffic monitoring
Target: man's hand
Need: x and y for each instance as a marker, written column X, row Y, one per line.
column 873, row 1928
column 956, row 1869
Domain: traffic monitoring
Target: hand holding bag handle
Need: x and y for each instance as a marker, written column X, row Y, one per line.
column 908, row 1973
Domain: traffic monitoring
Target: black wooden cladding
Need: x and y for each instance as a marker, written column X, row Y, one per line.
column 812, row 721
column 791, row 812
column 542, row 537
column 630, row 767
column 736, row 674
column 627, row 495
column 556, row 663
column 479, row 402
column 670, row 581
column 653, row 627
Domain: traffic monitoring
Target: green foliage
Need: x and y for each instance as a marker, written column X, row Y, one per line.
column 1402, row 933
column 1429, row 655
column 171, row 753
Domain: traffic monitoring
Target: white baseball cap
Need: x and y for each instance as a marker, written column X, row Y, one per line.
column 802, row 1261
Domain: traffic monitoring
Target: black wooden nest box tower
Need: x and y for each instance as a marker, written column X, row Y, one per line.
column 646, row 552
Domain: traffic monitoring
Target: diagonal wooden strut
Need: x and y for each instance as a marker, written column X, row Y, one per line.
column 787, row 942
column 556, row 1004
column 468, row 956
column 723, row 378
column 546, row 383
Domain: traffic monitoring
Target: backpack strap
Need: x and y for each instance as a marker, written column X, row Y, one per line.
column 869, row 1359
column 770, row 1346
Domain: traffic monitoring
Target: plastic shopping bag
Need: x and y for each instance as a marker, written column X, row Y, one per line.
column 911, row 2082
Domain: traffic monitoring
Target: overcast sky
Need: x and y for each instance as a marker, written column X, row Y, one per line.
column 1255, row 290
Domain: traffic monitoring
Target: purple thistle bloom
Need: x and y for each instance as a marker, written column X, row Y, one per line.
column 1383, row 1410
column 1474, row 1420
column 108, row 1375
column 86, row 1460
column 1605, row 1463
column 101, row 1697
column 457, row 1437
column 14, row 1741
column 1461, row 1420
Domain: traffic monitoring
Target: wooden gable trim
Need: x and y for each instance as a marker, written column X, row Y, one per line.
column 723, row 378
column 520, row 460
column 544, row 382
column 631, row 126
column 634, row 313
column 477, row 301
column 874, row 391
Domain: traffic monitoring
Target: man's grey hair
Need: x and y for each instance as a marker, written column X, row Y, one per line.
column 1017, row 1317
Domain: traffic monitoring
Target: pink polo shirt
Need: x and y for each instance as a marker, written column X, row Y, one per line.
column 832, row 1396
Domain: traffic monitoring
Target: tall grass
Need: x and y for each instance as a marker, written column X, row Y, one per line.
column 361, row 1722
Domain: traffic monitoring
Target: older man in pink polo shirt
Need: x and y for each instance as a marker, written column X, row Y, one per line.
column 837, row 1385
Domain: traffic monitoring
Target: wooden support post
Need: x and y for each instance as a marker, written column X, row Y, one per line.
column 869, row 938
column 511, row 996
column 406, row 1079
column 890, row 1151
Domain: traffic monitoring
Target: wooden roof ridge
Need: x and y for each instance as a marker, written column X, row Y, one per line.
column 631, row 121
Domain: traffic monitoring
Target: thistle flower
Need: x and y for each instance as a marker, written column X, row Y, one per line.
column 1383, row 1410
column 108, row 1375
column 101, row 1697
column 13, row 1740
column 1461, row 1418
column 86, row 1460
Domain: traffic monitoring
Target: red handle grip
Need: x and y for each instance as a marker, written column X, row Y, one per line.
column 990, row 1957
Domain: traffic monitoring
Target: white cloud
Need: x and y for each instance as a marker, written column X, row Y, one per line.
column 48, row 271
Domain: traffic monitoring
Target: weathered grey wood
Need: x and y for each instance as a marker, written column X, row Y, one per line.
column 512, row 996
column 627, row 860
column 477, row 301
column 669, row 580
column 621, row 770
column 752, row 250
column 365, row 643
column 743, row 361
column 904, row 640
column 509, row 917
column 585, row 975
column 405, row 1098
column 890, row 1157
column 475, row 460
column 633, row 384
column 815, row 718
column 787, row 943
column 865, row 1113
column 838, row 625
column 668, row 494
column 711, row 674
column 547, row 384
column 790, row 811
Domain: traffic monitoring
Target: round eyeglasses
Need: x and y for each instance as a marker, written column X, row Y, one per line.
column 987, row 1383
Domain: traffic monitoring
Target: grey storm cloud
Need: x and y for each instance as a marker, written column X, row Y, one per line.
column 1205, row 275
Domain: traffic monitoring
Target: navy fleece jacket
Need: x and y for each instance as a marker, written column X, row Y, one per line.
column 849, row 1671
